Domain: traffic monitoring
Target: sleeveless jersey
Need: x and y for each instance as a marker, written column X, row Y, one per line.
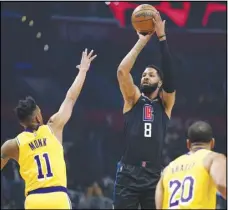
column 144, row 132
column 187, row 184
column 41, row 159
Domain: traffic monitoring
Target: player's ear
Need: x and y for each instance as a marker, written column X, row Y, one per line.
column 38, row 119
column 159, row 84
column 188, row 144
column 212, row 143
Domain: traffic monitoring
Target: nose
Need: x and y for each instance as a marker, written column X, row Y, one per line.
column 146, row 79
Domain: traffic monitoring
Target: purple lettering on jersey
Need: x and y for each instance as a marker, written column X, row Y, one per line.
column 39, row 166
column 44, row 142
column 40, row 142
column 36, row 143
column 175, row 186
column 191, row 183
column 31, row 145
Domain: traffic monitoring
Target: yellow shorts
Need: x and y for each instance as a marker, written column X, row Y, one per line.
column 52, row 200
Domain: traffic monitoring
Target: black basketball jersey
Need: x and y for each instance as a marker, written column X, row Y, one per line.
column 144, row 132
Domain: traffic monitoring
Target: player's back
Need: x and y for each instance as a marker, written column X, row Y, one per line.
column 41, row 159
column 187, row 184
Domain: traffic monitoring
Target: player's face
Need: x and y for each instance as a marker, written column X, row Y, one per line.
column 150, row 80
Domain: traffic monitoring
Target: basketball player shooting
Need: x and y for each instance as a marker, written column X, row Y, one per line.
column 39, row 150
column 146, row 113
column 192, row 180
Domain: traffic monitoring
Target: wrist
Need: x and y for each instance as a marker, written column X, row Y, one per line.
column 82, row 71
column 162, row 37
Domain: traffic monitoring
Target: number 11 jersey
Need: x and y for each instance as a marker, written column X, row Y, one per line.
column 41, row 159
column 187, row 184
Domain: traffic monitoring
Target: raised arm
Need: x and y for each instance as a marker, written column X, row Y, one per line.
column 59, row 119
column 9, row 150
column 128, row 89
column 168, row 92
column 218, row 172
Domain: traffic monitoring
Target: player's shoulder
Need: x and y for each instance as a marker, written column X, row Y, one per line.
column 210, row 157
column 10, row 142
column 173, row 162
column 179, row 158
column 10, row 148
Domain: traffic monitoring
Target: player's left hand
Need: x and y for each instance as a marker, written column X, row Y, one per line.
column 86, row 60
column 159, row 24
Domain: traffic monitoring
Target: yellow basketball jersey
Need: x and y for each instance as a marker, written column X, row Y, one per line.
column 187, row 184
column 41, row 159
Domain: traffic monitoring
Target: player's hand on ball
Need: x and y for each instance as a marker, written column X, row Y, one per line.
column 144, row 38
column 86, row 60
column 159, row 24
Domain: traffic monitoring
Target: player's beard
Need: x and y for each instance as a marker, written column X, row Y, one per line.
column 148, row 89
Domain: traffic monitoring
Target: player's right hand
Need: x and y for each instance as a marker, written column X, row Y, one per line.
column 86, row 60
column 144, row 38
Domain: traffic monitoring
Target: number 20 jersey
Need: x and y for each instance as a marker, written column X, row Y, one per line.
column 41, row 159
column 144, row 132
column 187, row 184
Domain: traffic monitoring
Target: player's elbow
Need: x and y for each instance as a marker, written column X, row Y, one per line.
column 121, row 73
column 222, row 190
column 221, row 184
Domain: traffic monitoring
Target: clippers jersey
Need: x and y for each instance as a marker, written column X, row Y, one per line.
column 187, row 184
column 41, row 159
column 144, row 132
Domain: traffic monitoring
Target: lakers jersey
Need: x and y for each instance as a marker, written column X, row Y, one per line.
column 41, row 159
column 187, row 184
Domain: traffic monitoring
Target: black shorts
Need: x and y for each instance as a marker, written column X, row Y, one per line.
column 135, row 186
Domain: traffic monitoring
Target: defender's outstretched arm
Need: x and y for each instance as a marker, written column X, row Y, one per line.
column 59, row 119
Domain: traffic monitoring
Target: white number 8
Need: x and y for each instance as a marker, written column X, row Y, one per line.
column 147, row 129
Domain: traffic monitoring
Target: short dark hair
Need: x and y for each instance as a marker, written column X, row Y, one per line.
column 25, row 108
column 159, row 71
column 201, row 132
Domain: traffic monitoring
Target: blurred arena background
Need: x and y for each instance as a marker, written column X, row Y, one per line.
column 41, row 43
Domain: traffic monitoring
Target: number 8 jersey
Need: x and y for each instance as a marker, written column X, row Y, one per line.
column 187, row 184
column 144, row 132
column 41, row 159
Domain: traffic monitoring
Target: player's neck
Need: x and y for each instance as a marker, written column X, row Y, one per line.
column 33, row 127
column 197, row 147
column 151, row 96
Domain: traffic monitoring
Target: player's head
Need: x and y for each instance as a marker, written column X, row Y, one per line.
column 29, row 113
column 151, row 79
column 200, row 134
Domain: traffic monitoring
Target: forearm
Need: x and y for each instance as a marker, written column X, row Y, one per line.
column 129, row 60
column 76, row 87
column 167, row 67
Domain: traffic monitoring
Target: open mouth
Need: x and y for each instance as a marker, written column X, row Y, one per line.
column 145, row 83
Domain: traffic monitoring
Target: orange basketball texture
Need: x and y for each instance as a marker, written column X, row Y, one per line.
column 142, row 18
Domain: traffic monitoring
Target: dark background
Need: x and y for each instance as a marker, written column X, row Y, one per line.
column 92, row 138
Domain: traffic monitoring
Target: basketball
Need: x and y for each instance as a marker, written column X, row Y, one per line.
column 142, row 18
